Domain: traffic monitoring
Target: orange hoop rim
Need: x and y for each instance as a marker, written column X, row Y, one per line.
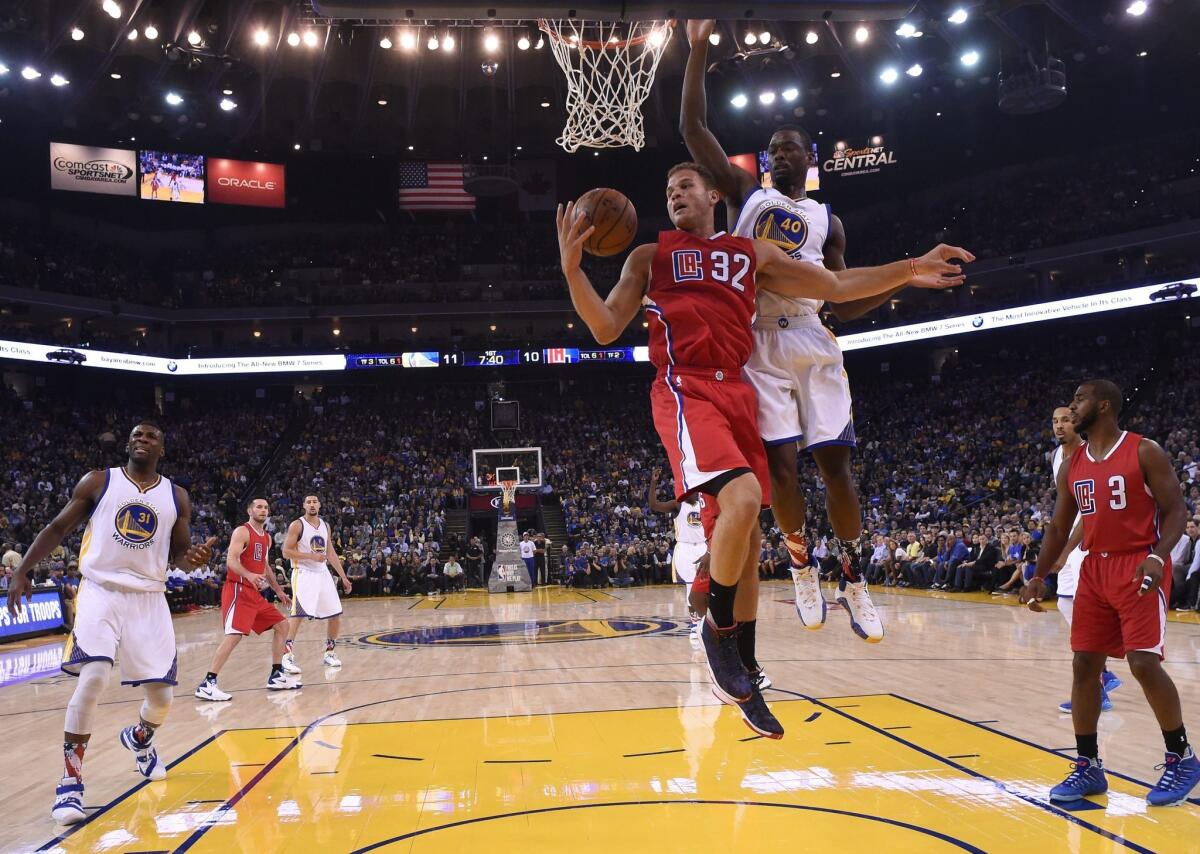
column 509, row 485
column 592, row 44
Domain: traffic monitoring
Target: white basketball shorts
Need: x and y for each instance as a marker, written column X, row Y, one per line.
column 684, row 558
column 803, row 391
column 1068, row 576
column 132, row 627
column 314, row 595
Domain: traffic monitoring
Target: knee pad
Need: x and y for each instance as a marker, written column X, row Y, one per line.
column 93, row 679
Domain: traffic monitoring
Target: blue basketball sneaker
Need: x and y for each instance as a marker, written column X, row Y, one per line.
column 758, row 716
column 146, row 757
column 1105, row 703
column 1111, row 681
column 68, row 801
column 1086, row 778
column 731, row 682
column 1180, row 775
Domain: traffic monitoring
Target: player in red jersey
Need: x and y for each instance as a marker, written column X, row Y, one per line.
column 1124, row 488
column 243, row 608
column 698, row 286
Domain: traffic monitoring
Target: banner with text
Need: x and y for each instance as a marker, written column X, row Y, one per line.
column 867, row 160
column 246, row 182
column 85, row 169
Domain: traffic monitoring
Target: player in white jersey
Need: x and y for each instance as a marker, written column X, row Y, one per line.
column 137, row 526
column 690, row 545
column 1070, row 561
column 309, row 546
column 796, row 366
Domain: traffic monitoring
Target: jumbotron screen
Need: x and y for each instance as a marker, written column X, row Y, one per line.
column 168, row 176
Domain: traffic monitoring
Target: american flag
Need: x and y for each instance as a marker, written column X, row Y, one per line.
column 433, row 187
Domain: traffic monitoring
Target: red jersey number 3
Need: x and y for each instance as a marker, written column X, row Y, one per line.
column 723, row 267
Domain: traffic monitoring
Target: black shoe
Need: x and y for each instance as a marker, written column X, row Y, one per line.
column 758, row 716
column 731, row 682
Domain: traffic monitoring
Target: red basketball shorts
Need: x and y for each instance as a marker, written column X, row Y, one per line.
column 244, row 610
column 708, row 423
column 1110, row 617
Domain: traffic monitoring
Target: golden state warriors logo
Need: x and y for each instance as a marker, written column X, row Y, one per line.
column 787, row 229
column 135, row 523
column 526, row 632
column 693, row 519
column 317, row 543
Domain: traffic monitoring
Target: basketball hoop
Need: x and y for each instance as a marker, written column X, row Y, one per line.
column 609, row 67
column 509, row 490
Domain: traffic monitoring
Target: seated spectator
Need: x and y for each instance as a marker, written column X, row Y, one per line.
column 453, row 572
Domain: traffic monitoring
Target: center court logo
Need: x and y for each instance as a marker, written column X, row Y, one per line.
column 135, row 524
column 520, row 632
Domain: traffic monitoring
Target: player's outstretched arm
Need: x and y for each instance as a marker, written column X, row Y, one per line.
column 656, row 504
column 606, row 318
column 83, row 500
column 182, row 550
column 835, row 260
column 734, row 183
column 1172, row 513
column 1054, row 537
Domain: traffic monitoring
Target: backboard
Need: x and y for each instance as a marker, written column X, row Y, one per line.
column 489, row 466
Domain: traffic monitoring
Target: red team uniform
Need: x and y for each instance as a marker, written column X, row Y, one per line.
column 1120, row 527
column 701, row 307
column 243, row 607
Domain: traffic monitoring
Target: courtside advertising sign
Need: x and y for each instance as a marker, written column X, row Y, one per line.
column 245, row 182
column 82, row 357
column 85, row 169
column 42, row 613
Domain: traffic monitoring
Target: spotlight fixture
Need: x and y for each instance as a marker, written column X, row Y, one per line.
column 540, row 43
column 226, row 91
column 115, row 76
column 194, row 38
column 714, row 38
column 491, row 41
column 523, row 43
column 811, row 37
column 739, row 100
column 492, row 327
column 76, row 34
column 790, row 94
column 227, row 105
column 408, row 39
column 657, row 37
column 382, row 102
column 906, row 30
column 296, row 147
column 110, row 7
column 337, row 331
column 889, row 75
column 150, row 31
column 448, row 41
column 385, row 43
column 1143, row 53
column 59, row 80
column 835, row 75
column 766, row 98
column 293, row 39
column 861, row 34
column 3, row 69
column 764, row 38
column 174, row 99
column 433, row 43
column 132, row 35
column 310, row 38
column 30, row 73
column 914, row 70
column 1137, row 8
column 958, row 16
column 410, row 148
column 545, row 105
column 751, row 38
column 970, row 58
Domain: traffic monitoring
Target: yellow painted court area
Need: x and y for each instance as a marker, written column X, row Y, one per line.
column 889, row 774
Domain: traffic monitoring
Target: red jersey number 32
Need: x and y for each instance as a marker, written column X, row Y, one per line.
column 689, row 266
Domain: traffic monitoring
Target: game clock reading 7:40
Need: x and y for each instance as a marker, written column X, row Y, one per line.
column 481, row 358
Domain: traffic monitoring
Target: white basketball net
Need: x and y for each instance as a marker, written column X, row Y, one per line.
column 509, row 490
column 610, row 67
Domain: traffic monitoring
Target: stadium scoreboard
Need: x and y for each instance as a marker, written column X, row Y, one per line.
column 499, row 358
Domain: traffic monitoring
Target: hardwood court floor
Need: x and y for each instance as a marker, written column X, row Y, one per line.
column 561, row 721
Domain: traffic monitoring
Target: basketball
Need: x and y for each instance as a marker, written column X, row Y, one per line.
column 613, row 217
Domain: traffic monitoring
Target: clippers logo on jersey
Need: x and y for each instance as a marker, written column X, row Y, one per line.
column 317, row 543
column 135, row 524
column 1085, row 496
column 693, row 519
column 687, row 265
column 787, row 229
column 258, row 551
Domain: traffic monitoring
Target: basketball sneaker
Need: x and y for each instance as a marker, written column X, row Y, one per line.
column 1111, row 681
column 68, row 801
column 208, row 690
column 148, row 764
column 1180, row 775
column 331, row 660
column 810, row 604
column 280, row 681
column 760, row 679
column 1105, row 703
column 290, row 665
column 1086, row 778
column 731, row 682
column 758, row 717
column 694, row 634
column 864, row 619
